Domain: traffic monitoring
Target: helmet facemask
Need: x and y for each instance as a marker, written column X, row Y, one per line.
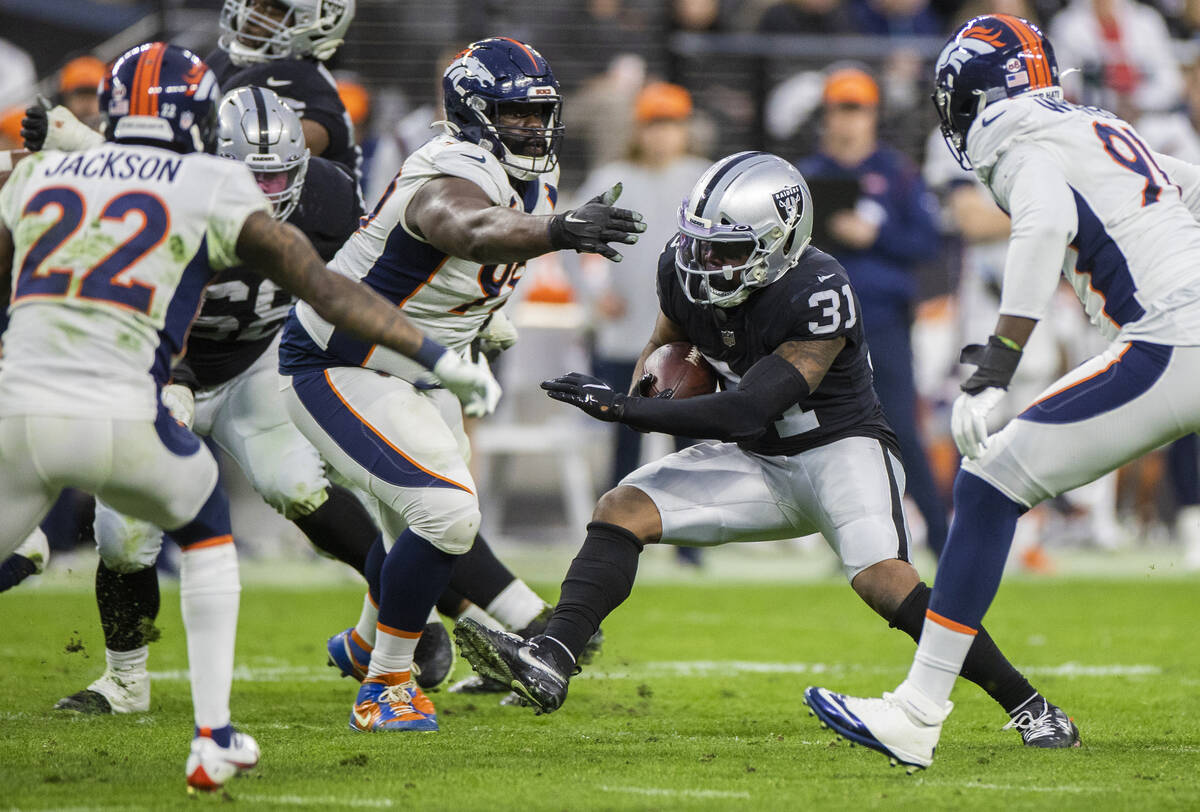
column 281, row 182
column 307, row 28
column 525, row 151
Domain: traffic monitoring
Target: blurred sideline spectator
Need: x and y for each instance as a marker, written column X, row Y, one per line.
column 78, row 81
column 880, row 234
column 894, row 18
column 806, row 17
column 657, row 174
column 10, row 138
column 1124, row 54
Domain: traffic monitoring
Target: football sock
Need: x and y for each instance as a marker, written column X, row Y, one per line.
column 414, row 574
column 341, row 527
column 479, row 576
column 221, row 735
column 451, row 603
column 15, row 569
column 517, row 606
column 373, row 566
column 133, row 661
column 985, row 665
column 481, row 617
column 128, row 604
column 208, row 596
column 393, row 651
column 597, row 582
column 368, row 619
column 939, row 657
column 970, row 568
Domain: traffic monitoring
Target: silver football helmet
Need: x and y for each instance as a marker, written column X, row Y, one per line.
column 255, row 127
column 744, row 225
column 263, row 30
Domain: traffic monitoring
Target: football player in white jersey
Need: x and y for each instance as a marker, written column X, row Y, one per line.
column 1089, row 199
column 109, row 251
column 446, row 244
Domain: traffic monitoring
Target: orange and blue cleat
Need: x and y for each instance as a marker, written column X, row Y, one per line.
column 392, row 702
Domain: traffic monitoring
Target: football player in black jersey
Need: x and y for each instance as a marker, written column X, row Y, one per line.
column 804, row 446
column 282, row 45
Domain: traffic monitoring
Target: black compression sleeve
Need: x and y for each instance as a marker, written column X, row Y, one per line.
column 767, row 389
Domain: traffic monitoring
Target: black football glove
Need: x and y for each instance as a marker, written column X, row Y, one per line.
column 996, row 362
column 592, row 395
column 35, row 125
column 596, row 223
column 646, row 382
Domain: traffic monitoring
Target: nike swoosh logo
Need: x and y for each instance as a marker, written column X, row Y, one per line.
column 595, row 386
column 986, row 122
column 826, row 276
column 571, row 218
column 476, row 158
column 363, row 719
column 273, row 82
column 526, row 657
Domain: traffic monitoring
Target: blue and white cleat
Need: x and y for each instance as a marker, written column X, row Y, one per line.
column 905, row 725
column 349, row 654
column 384, row 704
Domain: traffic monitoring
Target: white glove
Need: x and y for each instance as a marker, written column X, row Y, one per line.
column 471, row 382
column 180, row 402
column 968, row 421
column 67, row 133
column 497, row 335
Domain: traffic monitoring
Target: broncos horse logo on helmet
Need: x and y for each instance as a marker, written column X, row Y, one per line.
column 161, row 95
column 990, row 58
column 497, row 72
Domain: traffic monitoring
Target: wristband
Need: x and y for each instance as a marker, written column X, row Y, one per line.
column 429, row 353
column 1008, row 342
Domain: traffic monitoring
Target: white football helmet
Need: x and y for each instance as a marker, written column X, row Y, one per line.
column 255, row 127
column 744, row 225
column 251, row 33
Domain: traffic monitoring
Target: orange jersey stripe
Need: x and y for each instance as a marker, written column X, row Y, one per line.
column 952, row 625
column 390, row 444
column 215, row 541
column 397, row 632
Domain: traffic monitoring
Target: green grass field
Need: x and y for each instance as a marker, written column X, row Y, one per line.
column 695, row 703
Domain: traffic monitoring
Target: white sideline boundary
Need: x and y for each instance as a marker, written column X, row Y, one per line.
column 327, row 801
column 685, row 669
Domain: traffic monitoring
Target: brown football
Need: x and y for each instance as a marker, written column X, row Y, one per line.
column 679, row 366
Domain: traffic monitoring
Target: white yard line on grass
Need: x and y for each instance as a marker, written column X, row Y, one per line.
column 676, row 793
column 1064, row 788
column 685, row 668
column 318, row 800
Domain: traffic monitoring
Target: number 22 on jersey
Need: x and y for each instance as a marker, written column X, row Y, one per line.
column 103, row 281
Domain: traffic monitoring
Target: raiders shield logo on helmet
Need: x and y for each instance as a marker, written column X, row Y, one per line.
column 788, row 202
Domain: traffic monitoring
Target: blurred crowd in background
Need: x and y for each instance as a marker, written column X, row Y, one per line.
column 656, row 89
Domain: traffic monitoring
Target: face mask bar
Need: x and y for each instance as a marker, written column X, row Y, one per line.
column 717, row 264
column 515, row 139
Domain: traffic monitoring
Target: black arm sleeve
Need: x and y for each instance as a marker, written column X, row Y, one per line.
column 768, row 389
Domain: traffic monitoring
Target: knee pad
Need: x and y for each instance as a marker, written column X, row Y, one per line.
column 448, row 518
column 125, row 544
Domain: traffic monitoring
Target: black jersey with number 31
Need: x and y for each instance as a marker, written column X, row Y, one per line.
column 811, row 302
column 242, row 310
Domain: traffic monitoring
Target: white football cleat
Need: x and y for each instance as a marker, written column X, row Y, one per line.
column 904, row 725
column 116, row 691
column 210, row 765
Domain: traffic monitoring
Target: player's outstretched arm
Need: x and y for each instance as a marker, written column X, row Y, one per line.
column 455, row 216
column 283, row 254
column 768, row 389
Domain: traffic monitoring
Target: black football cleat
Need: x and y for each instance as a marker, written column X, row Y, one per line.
column 1042, row 724
column 538, row 626
column 85, row 701
column 515, row 662
column 434, row 658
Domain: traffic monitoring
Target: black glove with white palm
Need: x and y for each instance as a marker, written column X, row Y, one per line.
column 589, row 228
column 590, row 394
column 995, row 363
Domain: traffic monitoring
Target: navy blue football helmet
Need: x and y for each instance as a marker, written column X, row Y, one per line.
column 500, row 72
column 990, row 58
column 162, row 95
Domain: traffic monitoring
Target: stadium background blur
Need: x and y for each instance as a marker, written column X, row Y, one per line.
column 755, row 71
